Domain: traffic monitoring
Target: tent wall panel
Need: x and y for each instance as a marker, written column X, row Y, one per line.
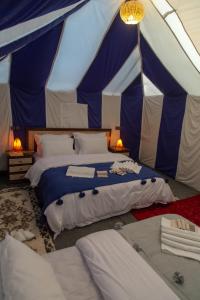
column 53, row 106
column 111, row 106
column 151, row 117
column 111, row 56
column 189, row 153
column 131, row 116
column 170, row 134
column 28, row 79
column 5, row 123
column 168, row 50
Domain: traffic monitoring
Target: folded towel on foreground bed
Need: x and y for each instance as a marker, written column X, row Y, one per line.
column 180, row 242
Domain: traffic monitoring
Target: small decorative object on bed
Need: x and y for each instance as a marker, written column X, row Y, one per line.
column 81, row 204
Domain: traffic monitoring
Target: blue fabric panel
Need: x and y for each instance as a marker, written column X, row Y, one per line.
column 54, row 183
column 13, row 46
column 13, row 12
column 93, row 100
column 115, row 49
column 170, row 134
column 131, row 116
column 30, row 69
column 172, row 113
column 157, row 73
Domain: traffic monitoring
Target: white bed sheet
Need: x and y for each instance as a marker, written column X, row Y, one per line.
column 111, row 200
column 73, row 275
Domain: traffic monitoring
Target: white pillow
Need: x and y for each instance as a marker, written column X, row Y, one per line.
column 57, row 147
column 78, row 135
column 40, row 138
column 26, row 275
column 92, row 145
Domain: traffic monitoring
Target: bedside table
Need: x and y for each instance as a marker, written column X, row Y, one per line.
column 124, row 151
column 18, row 165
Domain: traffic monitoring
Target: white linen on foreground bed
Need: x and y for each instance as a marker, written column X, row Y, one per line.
column 42, row 164
column 119, row 271
column 111, row 200
column 73, row 275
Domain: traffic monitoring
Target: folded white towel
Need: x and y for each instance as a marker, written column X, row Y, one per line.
column 84, row 172
column 180, row 241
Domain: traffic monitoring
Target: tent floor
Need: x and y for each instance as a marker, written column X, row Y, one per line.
column 68, row 237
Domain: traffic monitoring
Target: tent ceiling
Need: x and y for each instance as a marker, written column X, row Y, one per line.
column 189, row 12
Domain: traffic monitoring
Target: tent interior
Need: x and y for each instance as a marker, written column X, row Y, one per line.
column 76, row 64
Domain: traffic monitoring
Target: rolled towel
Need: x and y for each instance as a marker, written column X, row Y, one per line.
column 181, row 240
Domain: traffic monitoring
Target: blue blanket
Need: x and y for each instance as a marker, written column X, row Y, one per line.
column 54, row 183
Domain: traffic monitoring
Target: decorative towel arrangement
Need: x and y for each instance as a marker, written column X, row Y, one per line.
column 122, row 168
column 180, row 237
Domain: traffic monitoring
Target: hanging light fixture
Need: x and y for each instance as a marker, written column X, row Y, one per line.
column 132, row 11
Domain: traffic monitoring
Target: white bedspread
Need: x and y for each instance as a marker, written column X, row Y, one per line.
column 111, row 200
column 119, row 271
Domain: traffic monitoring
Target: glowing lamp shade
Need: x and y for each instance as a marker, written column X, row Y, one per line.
column 132, row 12
column 17, row 145
column 119, row 143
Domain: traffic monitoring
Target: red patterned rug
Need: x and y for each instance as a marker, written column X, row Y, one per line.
column 188, row 208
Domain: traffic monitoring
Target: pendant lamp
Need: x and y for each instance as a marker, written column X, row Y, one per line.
column 132, row 11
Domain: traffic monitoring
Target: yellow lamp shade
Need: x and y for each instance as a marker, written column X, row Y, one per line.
column 119, row 143
column 132, row 12
column 17, row 145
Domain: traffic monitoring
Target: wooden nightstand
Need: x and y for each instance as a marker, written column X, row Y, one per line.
column 124, row 151
column 19, row 165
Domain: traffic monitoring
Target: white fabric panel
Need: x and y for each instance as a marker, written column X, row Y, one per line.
column 189, row 153
column 149, row 88
column 163, row 6
column 168, row 50
column 74, row 115
column 20, row 30
column 72, row 274
column 176, row 26
column 5, row 69
column 128, row 72
column 53, row 102
column 5, row 123
column 151, row 117
column 111, row 106
column 189, row 12
column 81, row 39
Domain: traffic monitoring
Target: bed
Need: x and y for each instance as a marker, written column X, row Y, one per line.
column 66, row 208
column 105, row 265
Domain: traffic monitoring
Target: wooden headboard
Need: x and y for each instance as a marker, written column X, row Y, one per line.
column 30, row 132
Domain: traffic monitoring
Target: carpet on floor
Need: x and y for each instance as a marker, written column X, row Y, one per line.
column 188, row 208
column 19, row 209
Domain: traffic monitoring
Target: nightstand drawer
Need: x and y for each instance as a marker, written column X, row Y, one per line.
column 16, row 176
column 22, row 168
column 20, row 161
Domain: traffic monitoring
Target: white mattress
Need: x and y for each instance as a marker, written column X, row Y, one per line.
column 73, row 275
column 111, row 200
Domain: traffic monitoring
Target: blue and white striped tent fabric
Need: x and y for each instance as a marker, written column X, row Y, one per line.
column 76, row 64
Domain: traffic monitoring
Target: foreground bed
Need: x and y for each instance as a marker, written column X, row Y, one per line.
column 114, row 199
column 104, row 265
